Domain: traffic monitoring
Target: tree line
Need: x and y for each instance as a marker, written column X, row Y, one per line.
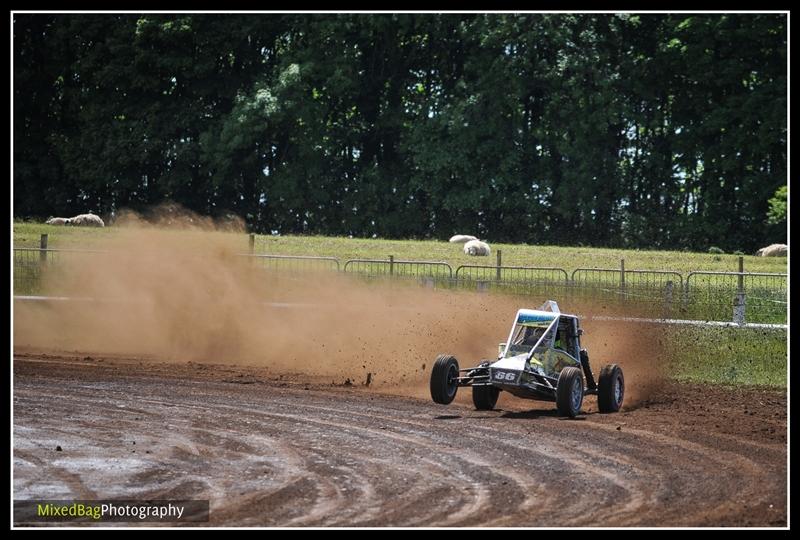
column 650, row 130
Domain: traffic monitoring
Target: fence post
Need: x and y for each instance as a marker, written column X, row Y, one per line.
column 391, row 265
column 668, row 299
column 685, row 293
column 252, row 242
column 622, row 279
column 499, row 263
column 43, row 248
column 739, row 301
column 738, row 308
column 741, row 274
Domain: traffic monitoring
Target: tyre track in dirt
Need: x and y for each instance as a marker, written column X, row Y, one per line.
column 277, row 455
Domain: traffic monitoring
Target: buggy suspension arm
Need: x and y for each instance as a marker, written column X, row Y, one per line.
column 587, row 371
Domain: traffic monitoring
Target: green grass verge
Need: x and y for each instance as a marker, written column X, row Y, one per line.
column 737, row 356
column 27, row 235
column 569, row 258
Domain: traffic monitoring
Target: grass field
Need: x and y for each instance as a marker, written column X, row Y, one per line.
column 738, row 356
column 569, row 258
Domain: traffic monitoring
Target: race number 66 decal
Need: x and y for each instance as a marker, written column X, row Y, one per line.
column 504, row 375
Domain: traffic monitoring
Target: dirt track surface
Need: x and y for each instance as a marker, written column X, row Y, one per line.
column 269, row 452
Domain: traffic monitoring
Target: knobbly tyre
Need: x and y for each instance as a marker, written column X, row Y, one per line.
column 542, row 359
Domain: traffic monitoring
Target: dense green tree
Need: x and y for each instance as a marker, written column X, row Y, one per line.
column 624, row 130
column 777, row 207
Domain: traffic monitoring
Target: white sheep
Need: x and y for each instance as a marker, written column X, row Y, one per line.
column 57, row 221
column 477, row 248
column 461, row 238
column 89, row 220
column 774, row 250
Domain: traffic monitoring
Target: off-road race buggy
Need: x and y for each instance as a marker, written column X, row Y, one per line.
column 541, row 359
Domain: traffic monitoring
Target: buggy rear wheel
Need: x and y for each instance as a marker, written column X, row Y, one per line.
column 485, row 397
column 611, row 389
column 569, row 392
column 444, row 379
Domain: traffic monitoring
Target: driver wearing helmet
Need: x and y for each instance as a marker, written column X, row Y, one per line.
column 531, row 336
column 558, row 343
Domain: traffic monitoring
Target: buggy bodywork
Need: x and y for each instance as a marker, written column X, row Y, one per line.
column 542, row 359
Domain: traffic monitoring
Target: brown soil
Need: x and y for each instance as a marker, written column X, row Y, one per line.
column 287, row 450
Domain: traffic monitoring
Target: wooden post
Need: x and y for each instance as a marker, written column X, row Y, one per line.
column 499, row 263
column 741, row 274
column 43, row 248
column 252, row 243
column 391, row 265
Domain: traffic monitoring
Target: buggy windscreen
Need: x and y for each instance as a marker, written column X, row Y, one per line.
column 530, row 333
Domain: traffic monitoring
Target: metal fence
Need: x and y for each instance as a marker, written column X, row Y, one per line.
column 390, row 267
column 754, row 297
column 712, row 296
column 655, row 292
column 295, row 263
column 33, row 265
column 28, row 267
column 514, row 279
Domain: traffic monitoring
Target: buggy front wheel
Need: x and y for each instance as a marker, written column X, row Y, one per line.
column 444, row 379
column 485, row 397
column 569, row 392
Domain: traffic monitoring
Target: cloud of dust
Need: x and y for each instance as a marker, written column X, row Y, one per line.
column 190, row 296
column 169, row 215
column 638, row 348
